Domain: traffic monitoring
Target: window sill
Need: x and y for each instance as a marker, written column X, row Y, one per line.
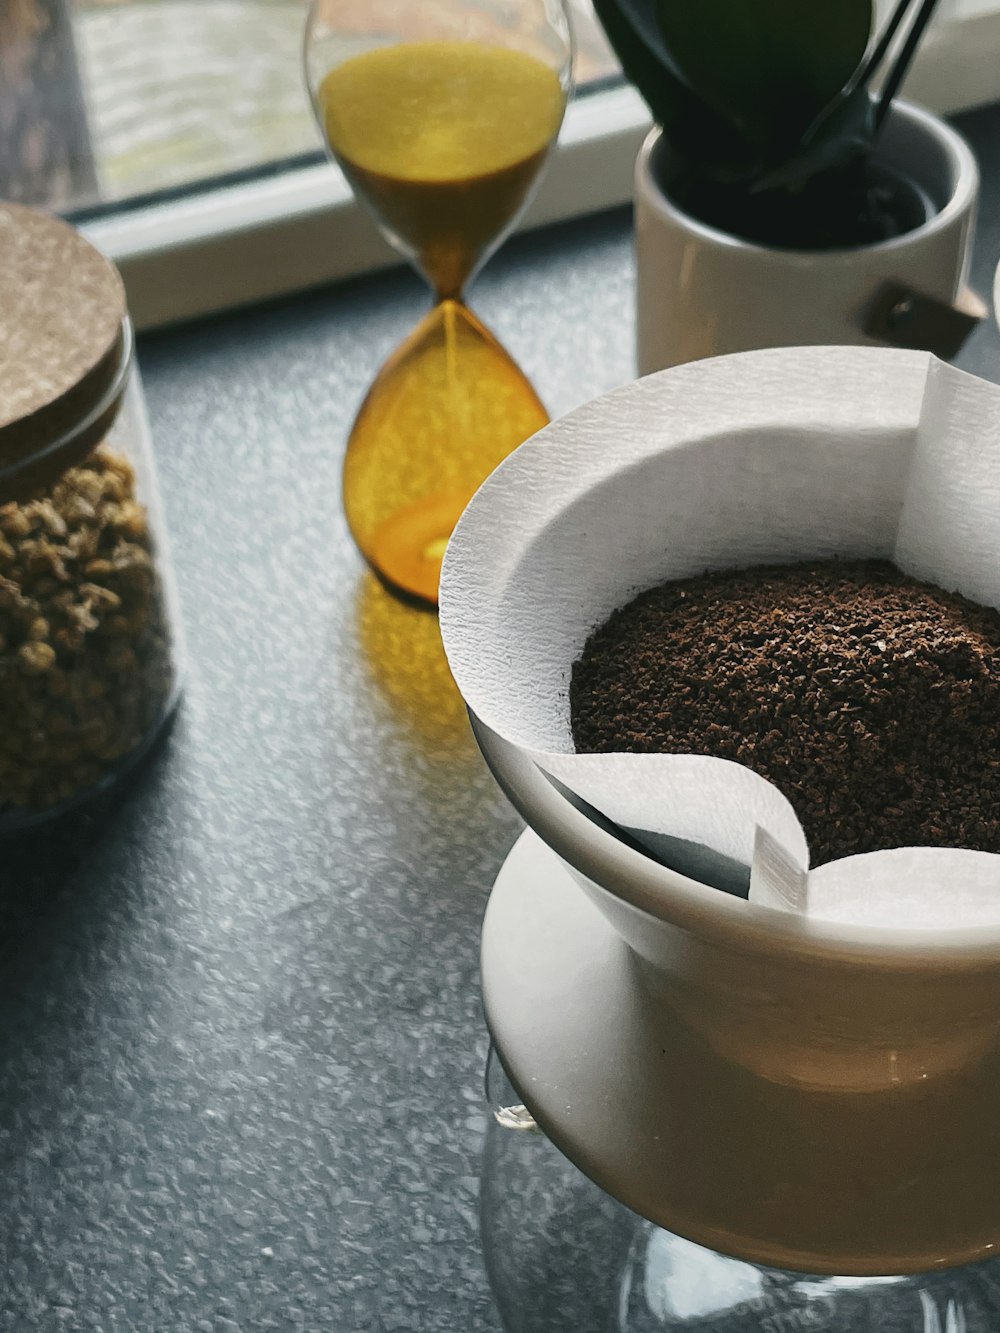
column 235, row 245
column 232, row 246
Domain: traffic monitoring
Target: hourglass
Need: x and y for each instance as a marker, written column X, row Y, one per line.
column 441, row 116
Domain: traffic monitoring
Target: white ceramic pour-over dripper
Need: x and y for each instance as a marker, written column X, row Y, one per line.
column 801, row 1002
column 766, row 456
column 770, row 1087
column 810, row 1094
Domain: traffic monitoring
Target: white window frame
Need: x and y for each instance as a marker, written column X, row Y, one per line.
column 229, row 246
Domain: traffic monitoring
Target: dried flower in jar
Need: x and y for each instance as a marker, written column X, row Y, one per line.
column 85, row 670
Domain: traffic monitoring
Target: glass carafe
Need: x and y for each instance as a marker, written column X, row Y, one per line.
column 564, row 1256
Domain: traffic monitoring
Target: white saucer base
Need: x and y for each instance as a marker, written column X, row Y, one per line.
column 788, row 1177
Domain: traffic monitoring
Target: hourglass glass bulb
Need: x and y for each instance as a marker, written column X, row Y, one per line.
column 446, row 408
column 444, row 139
column 442, row 119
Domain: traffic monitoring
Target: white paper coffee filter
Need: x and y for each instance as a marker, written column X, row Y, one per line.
column 955, row 886
column 778, row 455
column 949, row 531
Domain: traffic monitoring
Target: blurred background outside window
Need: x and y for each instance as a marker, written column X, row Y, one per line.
column 160, row 123
column 103, row 102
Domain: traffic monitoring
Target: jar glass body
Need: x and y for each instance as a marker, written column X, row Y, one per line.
column 563, row 1256
column 89, row 627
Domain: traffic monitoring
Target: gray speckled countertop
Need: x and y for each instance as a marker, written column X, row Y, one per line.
column 240, row 1037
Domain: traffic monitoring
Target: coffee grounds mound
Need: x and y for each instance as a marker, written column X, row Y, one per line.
column 871, row 700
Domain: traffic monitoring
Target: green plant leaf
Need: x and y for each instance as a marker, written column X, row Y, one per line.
column 694, row 128
column 631, row 28
column 768, row 67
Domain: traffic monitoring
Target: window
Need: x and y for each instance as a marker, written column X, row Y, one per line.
column 178, row 133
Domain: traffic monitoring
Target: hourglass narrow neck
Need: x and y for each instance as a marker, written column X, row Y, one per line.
column 449, row 227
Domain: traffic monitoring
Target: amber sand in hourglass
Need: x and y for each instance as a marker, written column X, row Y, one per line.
column 444, row 140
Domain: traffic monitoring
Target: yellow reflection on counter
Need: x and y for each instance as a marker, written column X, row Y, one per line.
column 401, row 647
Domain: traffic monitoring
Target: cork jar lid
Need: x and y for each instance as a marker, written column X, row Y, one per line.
column 64, row 346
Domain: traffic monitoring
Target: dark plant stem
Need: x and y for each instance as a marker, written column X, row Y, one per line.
column 902, row 64
column 867, row 70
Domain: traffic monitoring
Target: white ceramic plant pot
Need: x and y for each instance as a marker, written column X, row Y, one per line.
column 703, row 292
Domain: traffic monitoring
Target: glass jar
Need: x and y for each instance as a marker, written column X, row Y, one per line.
column 88, row 613
column 563, row 1256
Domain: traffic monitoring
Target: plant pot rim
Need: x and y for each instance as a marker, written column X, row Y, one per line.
column 965, row 190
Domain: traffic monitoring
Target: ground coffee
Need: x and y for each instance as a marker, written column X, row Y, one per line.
column 870, row 699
